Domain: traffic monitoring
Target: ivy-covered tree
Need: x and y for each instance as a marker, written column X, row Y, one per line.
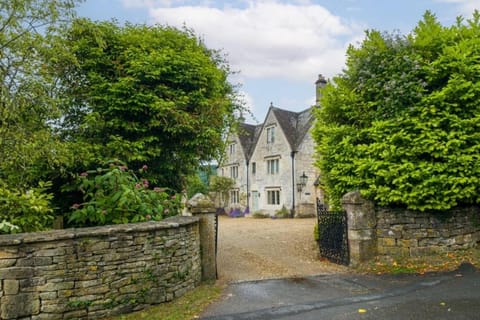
column 151, row 95
column 402, row 122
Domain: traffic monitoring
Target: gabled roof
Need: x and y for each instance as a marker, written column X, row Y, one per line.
column 248, row 136
column 295, row 125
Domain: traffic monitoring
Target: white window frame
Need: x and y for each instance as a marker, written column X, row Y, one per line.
column 271, row 135
column 232, row 148
column 273, row 196
column 234, row 196
column 273, row 166
column 234, row 172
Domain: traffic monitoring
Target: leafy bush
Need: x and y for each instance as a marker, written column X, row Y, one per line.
column 115, row 195
column 282, row 213
column 195, row 185
column 25, row 211
column 220, row 187
column 6, row 227
column 402, row 123
column 162, row 97
column 260, row 215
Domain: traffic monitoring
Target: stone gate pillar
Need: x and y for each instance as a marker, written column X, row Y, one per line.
column 362, row 222
column 202, row 207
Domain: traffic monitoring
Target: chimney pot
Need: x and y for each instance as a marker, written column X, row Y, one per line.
column 320, row 83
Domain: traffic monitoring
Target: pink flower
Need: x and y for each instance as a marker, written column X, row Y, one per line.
column 83, row 174
column 122, row 168
column 145, row 183
column 75, row 206
column 145, row 167
column 138, row 186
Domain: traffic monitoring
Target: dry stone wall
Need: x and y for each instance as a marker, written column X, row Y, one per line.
column 414, row 233
column 376, row 231
column 90, row 273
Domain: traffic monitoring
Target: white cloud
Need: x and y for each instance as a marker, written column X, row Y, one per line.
column 265, row 38
column 248, row 103
column 466, row 6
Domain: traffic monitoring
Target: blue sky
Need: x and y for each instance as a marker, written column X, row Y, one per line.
column 280, row 47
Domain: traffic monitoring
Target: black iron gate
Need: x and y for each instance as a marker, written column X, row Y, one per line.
column 333, row 234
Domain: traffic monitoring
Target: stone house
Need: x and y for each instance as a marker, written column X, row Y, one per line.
column 272, row 163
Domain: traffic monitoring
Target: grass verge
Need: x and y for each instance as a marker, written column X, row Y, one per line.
column 186, row 307
column 441, row 262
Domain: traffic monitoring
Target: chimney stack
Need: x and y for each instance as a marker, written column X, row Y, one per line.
column 320, row 83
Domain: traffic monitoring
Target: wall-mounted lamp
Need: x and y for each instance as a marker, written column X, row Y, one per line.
column 302, row 182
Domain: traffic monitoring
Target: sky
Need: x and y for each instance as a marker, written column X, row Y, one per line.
column 279, row 47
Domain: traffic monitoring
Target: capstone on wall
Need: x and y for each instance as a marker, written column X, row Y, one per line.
column 91, row 273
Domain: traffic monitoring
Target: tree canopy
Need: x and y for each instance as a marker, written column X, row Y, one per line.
column 401, row 123
column 152, row 95
column 87, row 106
column 27, row 90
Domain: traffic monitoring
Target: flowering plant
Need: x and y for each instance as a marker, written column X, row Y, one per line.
column 115, row 195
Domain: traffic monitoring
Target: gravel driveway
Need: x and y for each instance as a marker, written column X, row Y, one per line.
column 252, row 249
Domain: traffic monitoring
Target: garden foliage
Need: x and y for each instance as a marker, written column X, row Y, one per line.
column 114, row 194
column 25, row 211
column 402, row 122
column 150, row 95
column 76, row 93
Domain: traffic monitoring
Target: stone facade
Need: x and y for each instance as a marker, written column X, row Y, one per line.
column 269, row 159
column 92, row 273
column 397, row 232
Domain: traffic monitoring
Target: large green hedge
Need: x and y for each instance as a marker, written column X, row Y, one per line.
column 402, row 122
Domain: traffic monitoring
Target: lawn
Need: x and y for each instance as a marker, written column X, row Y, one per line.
column 186, row 307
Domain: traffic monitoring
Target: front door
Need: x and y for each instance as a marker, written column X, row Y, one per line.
column 254, row 201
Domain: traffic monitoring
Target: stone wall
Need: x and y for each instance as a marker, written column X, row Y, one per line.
column 97, row 272
column 376, row 231
column 413, row 233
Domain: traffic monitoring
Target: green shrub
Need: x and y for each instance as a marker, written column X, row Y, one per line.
column 260, row 215
column 282, row 213
column 6, row 227
column 115, row 195
column 25, row 211
column 401, row 123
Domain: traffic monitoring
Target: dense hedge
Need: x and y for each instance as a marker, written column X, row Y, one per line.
column 402, row 122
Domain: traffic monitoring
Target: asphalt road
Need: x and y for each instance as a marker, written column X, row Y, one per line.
column 452, row 295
